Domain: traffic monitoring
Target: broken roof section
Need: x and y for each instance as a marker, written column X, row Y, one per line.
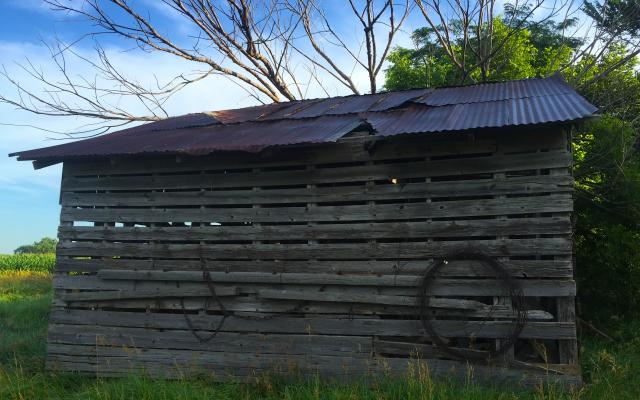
column 252, row 129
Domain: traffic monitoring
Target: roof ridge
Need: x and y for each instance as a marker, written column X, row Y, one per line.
column 555, row 76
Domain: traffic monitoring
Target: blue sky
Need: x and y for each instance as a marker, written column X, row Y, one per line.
column 29, row 206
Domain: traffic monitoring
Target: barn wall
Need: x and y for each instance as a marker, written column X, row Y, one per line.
column 315, row 254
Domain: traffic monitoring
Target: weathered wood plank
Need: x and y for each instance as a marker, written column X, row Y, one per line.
column 359, row 173
column 341, row 297
column 442, row 209
column 419, row 350
column 253, row 304
column 271, row 251
column 442, row 287
column 177, row 364
column 144, row 294
column 377, row 230
column 229, row 342
column 409, row 301
column 370, row 285
column 317, row 325
column 567, row 349
column 480, row 187
column 452, row 287
column 518, row 268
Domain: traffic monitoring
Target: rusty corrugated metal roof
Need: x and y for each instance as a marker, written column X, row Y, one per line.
column 524, row 102
column 249, row 136
column 184, row 121
column 495, row 92
column 488, row 114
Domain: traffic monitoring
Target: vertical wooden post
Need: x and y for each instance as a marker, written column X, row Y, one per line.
column 566, row 306
column 509, row 355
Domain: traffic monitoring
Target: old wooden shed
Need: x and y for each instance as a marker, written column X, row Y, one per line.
column 345, row 237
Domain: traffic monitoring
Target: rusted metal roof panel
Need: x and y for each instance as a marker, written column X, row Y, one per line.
column 495, row 114
column 239, row 115
column 358, row 104
column 345, row 105
column 497, row 91
column 184, row 121
column 250, row 137
column 397, row 99
column 515, row 103
column 317, row 108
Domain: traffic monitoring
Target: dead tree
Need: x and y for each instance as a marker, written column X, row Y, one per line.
column 273, row 49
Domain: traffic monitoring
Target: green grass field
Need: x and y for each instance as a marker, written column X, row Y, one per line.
column 611, row 370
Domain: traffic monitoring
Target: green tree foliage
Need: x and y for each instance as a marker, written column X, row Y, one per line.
column 615, row 16
column 607, row 217
column 607, row 171
column 607, row 160
column 611, row 82
column 522, row 53
column 42, row 246
column 426, row 66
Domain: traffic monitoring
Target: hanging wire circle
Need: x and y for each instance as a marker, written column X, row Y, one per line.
column 511, row 289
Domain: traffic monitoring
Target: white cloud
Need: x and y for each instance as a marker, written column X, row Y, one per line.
column 42, row 6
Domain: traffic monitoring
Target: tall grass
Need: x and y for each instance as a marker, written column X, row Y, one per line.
column 27, row 262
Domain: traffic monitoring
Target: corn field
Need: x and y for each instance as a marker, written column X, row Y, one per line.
column 27, row 262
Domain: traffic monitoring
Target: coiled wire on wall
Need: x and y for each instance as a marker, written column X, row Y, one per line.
column 511, row 289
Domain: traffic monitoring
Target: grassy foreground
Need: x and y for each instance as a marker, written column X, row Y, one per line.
column 611, row 370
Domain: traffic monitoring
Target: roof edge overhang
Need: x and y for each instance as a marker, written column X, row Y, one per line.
column 43, row 162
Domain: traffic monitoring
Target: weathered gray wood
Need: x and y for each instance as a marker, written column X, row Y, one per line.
column 317, row 325
column 419, row 350
column 180, row 364
column 518, row 268
column 359, row 173
column 360, row 298
column 378, row 230
column 224, row 341
column 453, row 287
column 567, row 349
column 143, row 294
column 480, row 187
column 461, row 287
column 269, row 251
column 410, row 301
column 459, row 208
column 315, row 292
column 253, row 304
column 444, row 286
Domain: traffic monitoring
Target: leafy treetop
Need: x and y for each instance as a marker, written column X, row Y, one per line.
column 42, row 246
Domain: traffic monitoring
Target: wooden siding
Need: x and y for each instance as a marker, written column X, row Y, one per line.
column 315, row 254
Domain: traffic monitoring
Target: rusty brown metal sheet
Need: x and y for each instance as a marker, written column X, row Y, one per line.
column 396, row 99
column 250, row 137
column 246, row 114
column 184, row 121
column 514, row 103
column 489, row 114
column 490, row 92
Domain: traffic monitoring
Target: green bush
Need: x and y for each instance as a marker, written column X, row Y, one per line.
column 28, row 262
